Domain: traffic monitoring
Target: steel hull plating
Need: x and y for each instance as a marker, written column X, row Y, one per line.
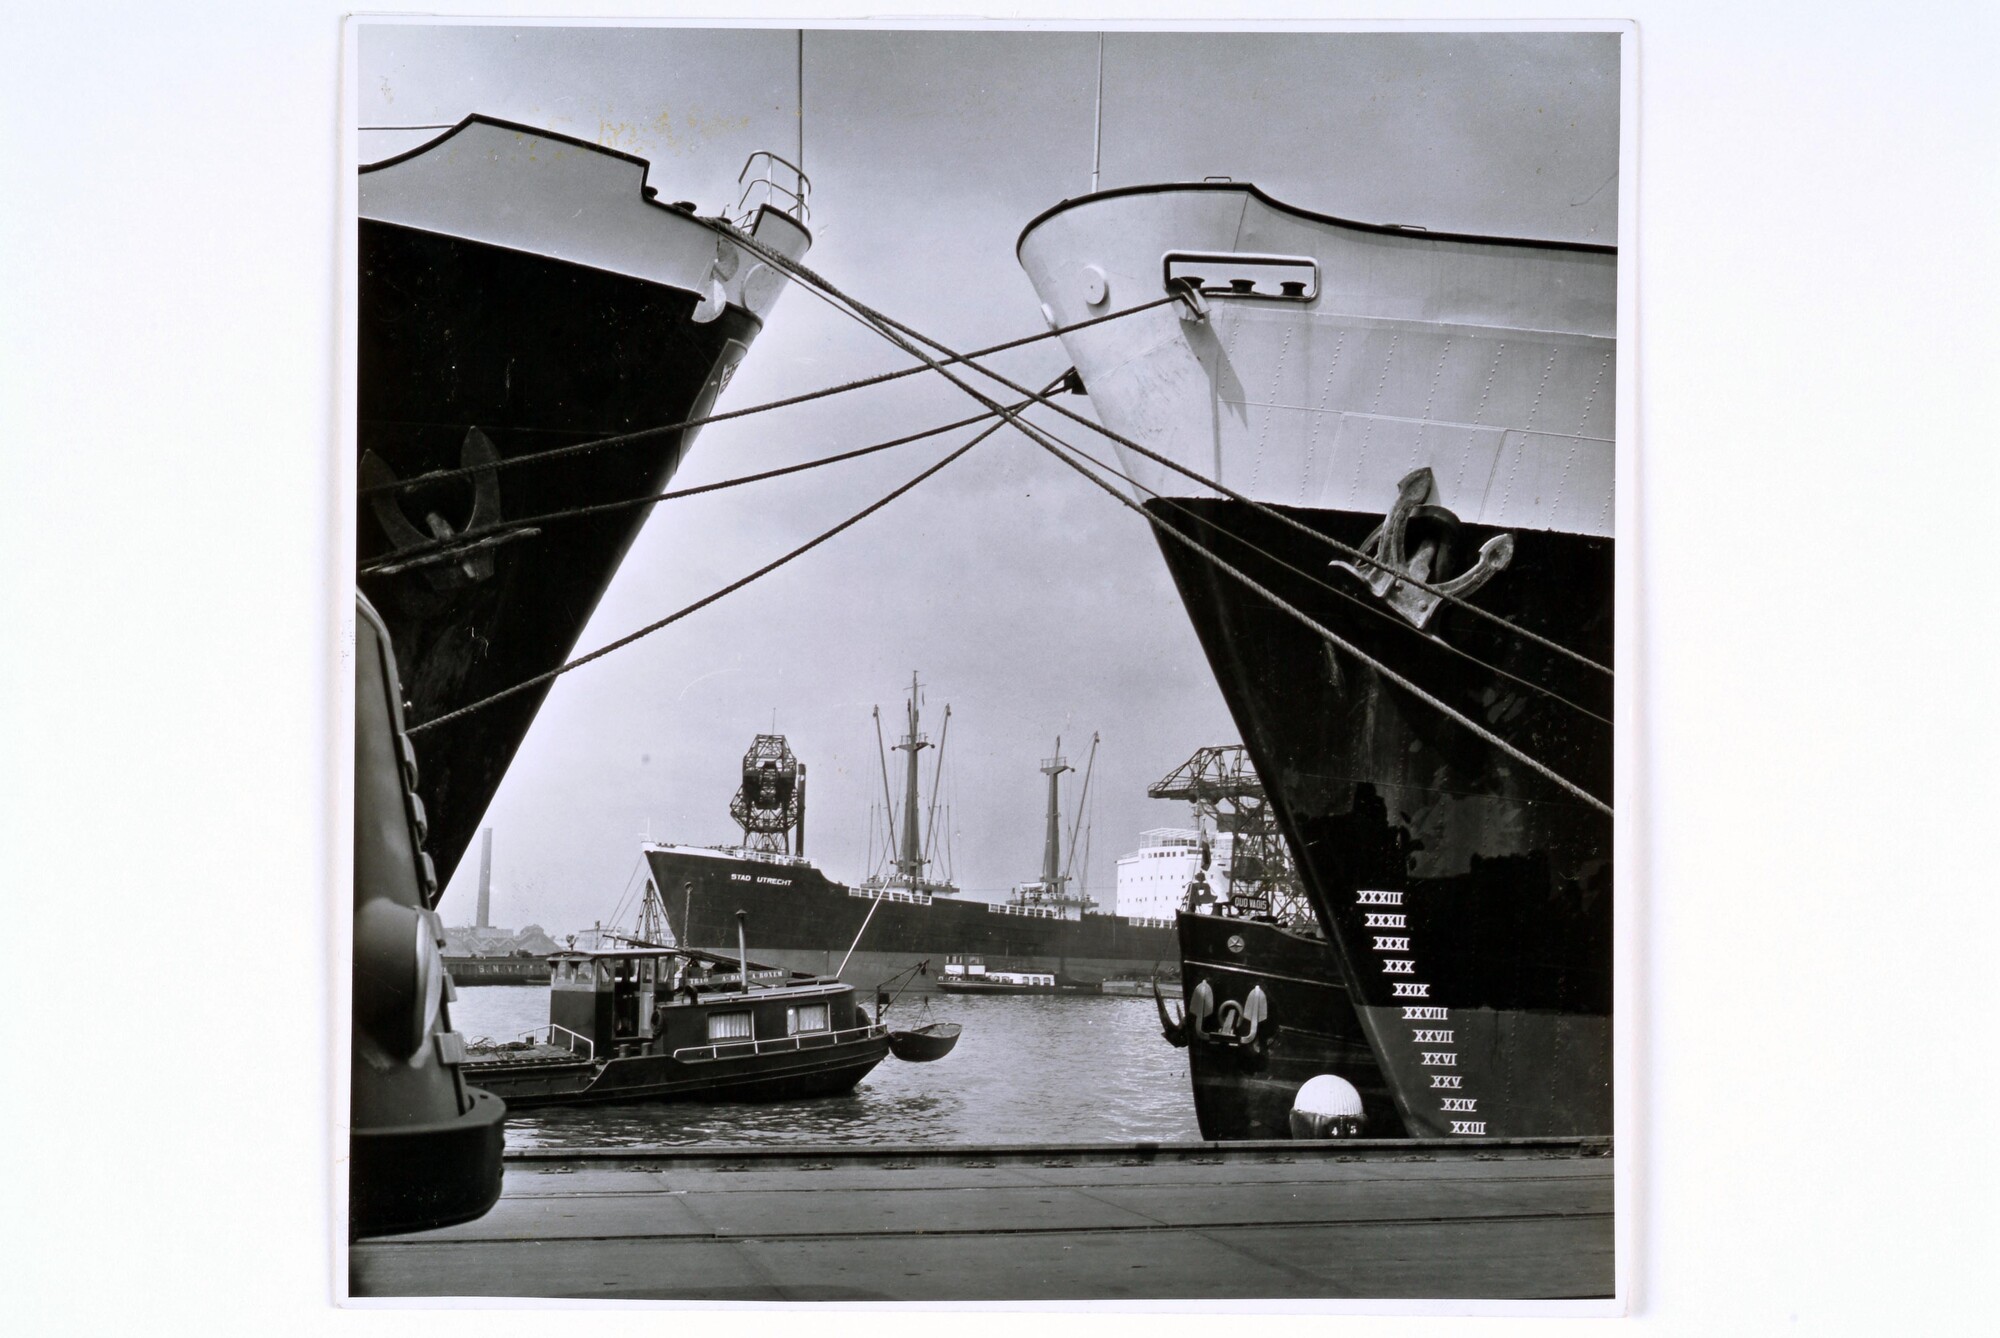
column 1432, row 393
column 535, row 353
column 518, row 292
column 1468, row 900
column 802, row 920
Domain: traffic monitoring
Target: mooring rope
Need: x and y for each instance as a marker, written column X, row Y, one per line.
column 805, row 274
column 1335, row 639
column 1049, row 442
column 712, row 597
column 390, row 562
column 647, row 434
column 1313, row 578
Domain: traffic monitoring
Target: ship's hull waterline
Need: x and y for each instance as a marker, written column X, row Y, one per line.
column 1448, row 397
column 518, row 293
column 796, row 917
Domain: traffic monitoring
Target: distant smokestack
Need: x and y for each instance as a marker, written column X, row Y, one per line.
column 485, row 919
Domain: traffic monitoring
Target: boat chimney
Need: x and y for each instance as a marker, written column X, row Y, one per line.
column 742, row 953
column 485, row 915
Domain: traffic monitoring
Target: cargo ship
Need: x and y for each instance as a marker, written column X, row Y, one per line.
column 521, row 292
column 883, row 926
column 1412, row 436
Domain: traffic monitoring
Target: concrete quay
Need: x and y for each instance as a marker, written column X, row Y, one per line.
column 1493, row 1219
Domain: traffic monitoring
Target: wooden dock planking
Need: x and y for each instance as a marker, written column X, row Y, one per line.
column 1192, row 1222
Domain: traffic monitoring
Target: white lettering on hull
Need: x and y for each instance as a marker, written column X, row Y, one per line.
column 1378, row 898
column 1410, row 989
column 1422, row 1037
column 1425, row 1013
column 1399, row 966
column 1476, row 1128
column 1384, row 920
column 1384, row 944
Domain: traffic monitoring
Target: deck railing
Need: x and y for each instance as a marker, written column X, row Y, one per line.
column 570, row 1039
column 768, row 187
column 1034, row 912
column 805, row 1040
column 890, row 894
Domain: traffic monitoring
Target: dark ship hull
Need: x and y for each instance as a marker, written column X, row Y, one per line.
column 800, row 919
column 1312, row 1027
column 518, row 293
column 1447, row 402
column 1468, row 900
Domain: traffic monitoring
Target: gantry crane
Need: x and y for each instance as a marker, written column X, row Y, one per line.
column 1228, row 797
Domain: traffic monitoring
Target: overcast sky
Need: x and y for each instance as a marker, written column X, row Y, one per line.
column 1026, row 599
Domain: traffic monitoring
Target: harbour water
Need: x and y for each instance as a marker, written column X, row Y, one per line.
column 1026, row 1069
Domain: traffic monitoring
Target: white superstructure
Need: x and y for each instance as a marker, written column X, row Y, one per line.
column 1153, row 880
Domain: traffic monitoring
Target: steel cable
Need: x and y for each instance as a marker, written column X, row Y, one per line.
column 710, row 598
column 803, row 273
column 1049, row 443
column 646, row 434
column 391, row 562
column 1311, row 578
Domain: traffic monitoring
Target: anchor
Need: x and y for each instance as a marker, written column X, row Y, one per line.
column 1188, row 1025
column 445, row 565
column 1395, row 567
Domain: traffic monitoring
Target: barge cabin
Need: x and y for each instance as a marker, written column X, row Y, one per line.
column 662, row 1024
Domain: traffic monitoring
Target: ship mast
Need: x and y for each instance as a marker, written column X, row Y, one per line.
column 1052, row 875
column 910, row 864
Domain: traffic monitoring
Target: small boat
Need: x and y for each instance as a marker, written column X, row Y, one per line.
column 646, row 1022
column 921, row 1045
column 968, row 975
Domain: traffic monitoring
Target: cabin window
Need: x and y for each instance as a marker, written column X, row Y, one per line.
column 604, row 973
column 729, row 1026
column 806, row 1017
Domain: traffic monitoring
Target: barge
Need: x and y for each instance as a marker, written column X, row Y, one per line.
column 641, row 1023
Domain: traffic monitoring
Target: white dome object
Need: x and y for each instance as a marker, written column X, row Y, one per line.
column 1326, row 1107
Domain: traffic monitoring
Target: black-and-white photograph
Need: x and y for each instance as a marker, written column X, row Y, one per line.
column 917, row 672
column 984, row 663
